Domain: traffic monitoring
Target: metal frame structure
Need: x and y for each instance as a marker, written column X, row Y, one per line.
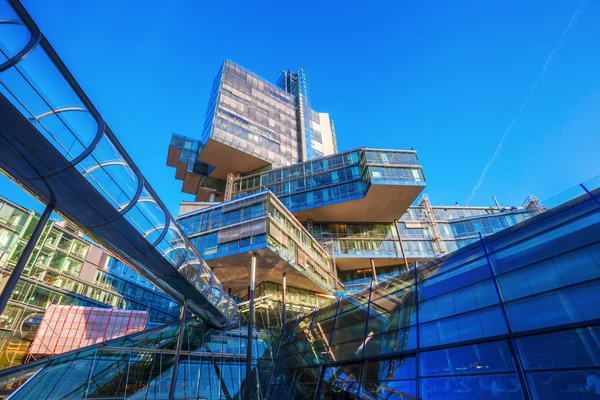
column 91, row 179
column 562, row 224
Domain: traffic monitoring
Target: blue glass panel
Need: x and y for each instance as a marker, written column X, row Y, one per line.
column 394, row 369
column 474, row 325
column 451, row 263
column 572, row 348
column 473, row 359
column 389, row 390
column 573, row 267
column 471, row 298
column 500, row 387
column 575, row 304
column 548, row 244
column 563, row 385
column 460, row 277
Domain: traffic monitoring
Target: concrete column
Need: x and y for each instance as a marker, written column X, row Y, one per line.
column 283, row 302
column 374, row 272
column 20, row 266
column 401, row 245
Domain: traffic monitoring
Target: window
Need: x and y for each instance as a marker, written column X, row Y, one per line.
column 474, row 359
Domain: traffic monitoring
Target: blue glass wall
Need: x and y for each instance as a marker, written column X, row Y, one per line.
column 334, row 178
column 513, row 316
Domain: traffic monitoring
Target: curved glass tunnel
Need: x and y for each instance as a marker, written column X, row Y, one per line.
column 56, row 145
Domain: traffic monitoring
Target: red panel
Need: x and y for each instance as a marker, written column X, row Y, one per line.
column 66, row 328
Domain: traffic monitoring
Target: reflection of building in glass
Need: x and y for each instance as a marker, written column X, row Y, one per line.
column 64, row 269
column 502, row 317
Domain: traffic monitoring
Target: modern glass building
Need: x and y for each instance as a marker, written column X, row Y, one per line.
column 308, row 272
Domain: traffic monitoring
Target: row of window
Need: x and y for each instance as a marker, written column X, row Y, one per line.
column 257, row 83
column 389, row 157
column 486, row 226
column 284, row 156
column 416, row 213
column 218, row 217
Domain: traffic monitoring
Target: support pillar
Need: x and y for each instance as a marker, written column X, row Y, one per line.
column 248, row 393
column 20, row 266
column 180, row 336
column 401, row 245
column 283, row 302
column 374, row 272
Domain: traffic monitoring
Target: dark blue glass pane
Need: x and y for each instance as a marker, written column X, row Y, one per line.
column 391, row 369
column 572, row 348
column 458, row 278
column 546, row 244
column 473, row 359
column 389, row 390
column 562, row 385
column 501, row 387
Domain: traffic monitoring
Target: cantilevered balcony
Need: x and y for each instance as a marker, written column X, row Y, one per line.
column 357, row 185
column 228, row 233
column 183, row 156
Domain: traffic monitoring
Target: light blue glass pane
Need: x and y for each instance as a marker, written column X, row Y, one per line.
column 576, row 304
column 471, row 298
column 570, row 268
column 460, row 277
column 474, row 325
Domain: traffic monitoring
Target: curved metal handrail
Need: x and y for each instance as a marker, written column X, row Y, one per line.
column 58, row 111
column 140, row 184
column 34, row 40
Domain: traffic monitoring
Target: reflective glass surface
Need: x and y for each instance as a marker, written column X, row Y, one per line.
column 511, row 314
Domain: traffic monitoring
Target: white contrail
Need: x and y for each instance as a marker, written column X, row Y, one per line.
column 524, row 103
column 211, row 10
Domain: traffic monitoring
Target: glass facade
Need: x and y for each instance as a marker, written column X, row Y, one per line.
column 253, row 115
column 332, row 179
column 254, row 222
column 212, row 365
column 512, row 316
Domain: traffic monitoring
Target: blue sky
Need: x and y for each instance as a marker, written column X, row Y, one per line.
column 444, row 78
